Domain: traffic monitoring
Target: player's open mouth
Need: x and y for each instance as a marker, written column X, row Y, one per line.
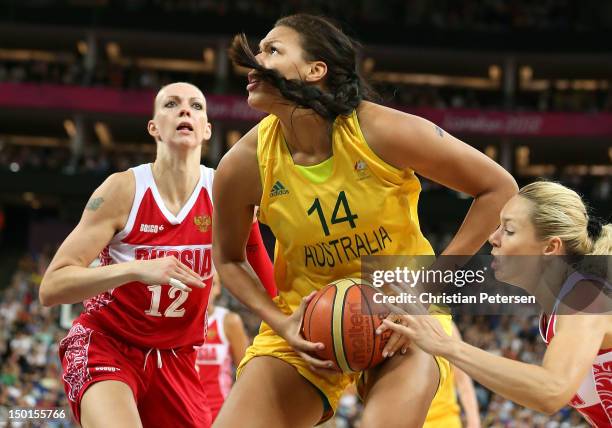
column 185, row 128
column 253, row 81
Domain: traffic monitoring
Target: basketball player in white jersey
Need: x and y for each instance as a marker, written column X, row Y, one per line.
column 226, row 343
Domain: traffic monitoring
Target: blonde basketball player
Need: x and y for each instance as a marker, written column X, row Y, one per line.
column 334, row 176
column 544, row 219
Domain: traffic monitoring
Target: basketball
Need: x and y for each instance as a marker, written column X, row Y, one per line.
column 343, row 316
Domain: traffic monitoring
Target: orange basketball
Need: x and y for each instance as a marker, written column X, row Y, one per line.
column 343, row 316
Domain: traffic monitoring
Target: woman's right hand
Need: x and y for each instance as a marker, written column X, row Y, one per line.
column 291, row 331
column 163, row 270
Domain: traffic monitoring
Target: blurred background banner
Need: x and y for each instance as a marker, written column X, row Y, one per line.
column 527, row 83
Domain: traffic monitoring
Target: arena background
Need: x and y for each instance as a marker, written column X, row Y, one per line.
column 528, row 83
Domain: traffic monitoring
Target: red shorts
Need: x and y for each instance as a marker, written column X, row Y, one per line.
column 214, row 402
column 170, row 395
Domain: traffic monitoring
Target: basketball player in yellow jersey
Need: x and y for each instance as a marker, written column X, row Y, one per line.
column 334, row 176
column 444, row 411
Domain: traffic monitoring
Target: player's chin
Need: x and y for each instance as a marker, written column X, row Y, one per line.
column 184, row 142
column 260, row 100
column 501, row 274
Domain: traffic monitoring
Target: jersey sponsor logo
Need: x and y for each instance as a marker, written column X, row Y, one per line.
column 346, row 248
column 151, row 228
column 202, row 222
column 278, row 189
column 107, row 369
column 197, row 259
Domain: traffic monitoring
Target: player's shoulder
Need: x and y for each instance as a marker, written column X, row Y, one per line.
column 241, row 159
column 119, row 186
column 376, row 117
column 208, row 175
column 119, row 180
column 112, row 200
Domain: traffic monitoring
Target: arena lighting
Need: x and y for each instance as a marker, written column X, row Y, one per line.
column 175, row 64
column 240, row 71
column 24, row 140
column 31, row 55
column 494, row 72
column 70, row 128
column 209, row 56
column 601, row 170
column 491, row 151
column 82, row 47
column 584, row 85
column 113, row 51
column 535, row 85
column 435, row 80
column 232, row 137
column 537, row 170
column 526, row 73
column 368, row 65
column 32, row 200
column 104, row 135
column 564, row 84
column 522, row 156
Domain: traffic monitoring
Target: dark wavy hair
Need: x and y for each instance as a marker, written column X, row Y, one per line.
column 321, row 41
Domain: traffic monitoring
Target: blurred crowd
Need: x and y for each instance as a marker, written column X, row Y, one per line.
column 72, row 71
column 31, row 370
column 445, row 97
column 497, row 15
column 17, row 158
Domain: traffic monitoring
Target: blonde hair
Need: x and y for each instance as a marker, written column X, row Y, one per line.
column 560, row 211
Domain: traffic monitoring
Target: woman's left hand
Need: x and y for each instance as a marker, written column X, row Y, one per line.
column 398, row 342
column 425, row 331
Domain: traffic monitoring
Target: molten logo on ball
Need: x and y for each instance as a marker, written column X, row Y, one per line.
column 340, row 316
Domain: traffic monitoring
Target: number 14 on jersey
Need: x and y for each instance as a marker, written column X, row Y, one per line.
column 341, row 202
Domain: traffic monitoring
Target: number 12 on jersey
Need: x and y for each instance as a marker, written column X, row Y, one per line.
column 174, row 310
column 341, row 201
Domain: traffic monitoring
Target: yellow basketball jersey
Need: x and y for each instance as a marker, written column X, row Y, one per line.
column 365, row 207
column 444, row 411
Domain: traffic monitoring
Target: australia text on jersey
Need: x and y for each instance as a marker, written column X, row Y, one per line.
column 346, row 248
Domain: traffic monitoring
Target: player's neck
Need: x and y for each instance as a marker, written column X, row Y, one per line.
column 308, row 136
column 176, row 178
column 546, row 287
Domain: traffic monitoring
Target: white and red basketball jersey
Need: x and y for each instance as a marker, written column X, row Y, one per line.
column 215, row 361
column 594, row 397
column 158, row 316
